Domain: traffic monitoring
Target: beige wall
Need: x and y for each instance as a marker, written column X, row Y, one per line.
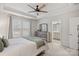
column 4, row 24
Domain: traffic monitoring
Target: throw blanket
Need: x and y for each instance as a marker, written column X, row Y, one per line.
column 39, row 42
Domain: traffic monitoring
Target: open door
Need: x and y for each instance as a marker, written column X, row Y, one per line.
column 74, row 33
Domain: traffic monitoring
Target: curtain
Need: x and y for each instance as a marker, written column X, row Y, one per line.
column 18, row 27
column 10, row 29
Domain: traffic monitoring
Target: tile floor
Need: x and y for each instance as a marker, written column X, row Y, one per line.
column 56, row 49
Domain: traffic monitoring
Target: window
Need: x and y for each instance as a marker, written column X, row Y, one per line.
column 20, row 27
column 26, row 28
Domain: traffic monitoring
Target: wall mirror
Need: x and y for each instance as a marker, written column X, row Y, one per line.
column 44, row 27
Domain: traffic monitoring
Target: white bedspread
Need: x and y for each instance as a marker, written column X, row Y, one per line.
column 19, row 47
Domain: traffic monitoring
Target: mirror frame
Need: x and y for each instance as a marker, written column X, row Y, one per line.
column 44, row 26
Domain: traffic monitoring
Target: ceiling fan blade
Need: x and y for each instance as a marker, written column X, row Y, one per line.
column 31, row 11
column 31, row 7
column 44, row 11
column 42, row 6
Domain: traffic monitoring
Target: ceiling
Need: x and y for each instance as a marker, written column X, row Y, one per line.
column 52, row 8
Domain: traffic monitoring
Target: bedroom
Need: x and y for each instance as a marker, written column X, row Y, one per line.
column 17, row 24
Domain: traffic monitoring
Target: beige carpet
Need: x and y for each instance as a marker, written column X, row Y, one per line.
column 56, row 49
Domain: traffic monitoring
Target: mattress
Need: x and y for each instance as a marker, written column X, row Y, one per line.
column 21, row 47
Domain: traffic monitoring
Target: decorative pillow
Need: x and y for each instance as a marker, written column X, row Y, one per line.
column 5, row 42
column 1, row 46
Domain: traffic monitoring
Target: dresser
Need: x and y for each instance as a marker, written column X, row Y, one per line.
column 43, row 34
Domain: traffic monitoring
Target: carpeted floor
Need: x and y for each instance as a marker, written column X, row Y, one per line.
column 56, row 49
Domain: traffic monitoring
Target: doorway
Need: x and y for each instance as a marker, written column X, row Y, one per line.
column 56, row 30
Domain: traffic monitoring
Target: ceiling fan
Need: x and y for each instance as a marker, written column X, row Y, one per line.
column 38, row 9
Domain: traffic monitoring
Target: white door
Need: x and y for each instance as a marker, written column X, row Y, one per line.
column 73, row 32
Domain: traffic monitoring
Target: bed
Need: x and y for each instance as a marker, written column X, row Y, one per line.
column 21, row 47
column 39, row 41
